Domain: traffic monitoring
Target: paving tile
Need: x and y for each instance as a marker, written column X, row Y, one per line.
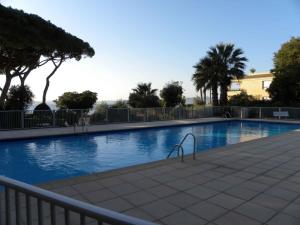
column 110, row 181
column 68, row 191
column 212, row 174
column 182, row 199
column 159, row 209
column 183, row 217
column 123, row 189
column 140, row 197
column 276, row 174
column 87, row 187
column 202, row 192
column 241, row 192
column 289, row 186
column 251, row 185
column 282, row 193
column 144, row 183
column 233, row 218
column 293, row 210
column 138, row 213
column 198, row 179
column 180, row 184
column 98, row 196
column 233, row 180
column 244, row 174
column 284, row 219
column 162, row 191
column 207, row 210
column 116, row 204
column 217, row 185
column 224, row 170
column 270, row 201
column 265, row 180
column 131, row 176
column 256, row 212
column 226, row 201
column 164, row 178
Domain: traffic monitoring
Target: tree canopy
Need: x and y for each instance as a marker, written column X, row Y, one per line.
column 285, row 87
column 221, row 64
column 19, row 98
column 172, row 94
column 27, row 42
column 75, row 100
column 143, row 96
column 120, row 104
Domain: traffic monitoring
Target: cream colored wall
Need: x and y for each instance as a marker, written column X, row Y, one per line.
column 253, row 86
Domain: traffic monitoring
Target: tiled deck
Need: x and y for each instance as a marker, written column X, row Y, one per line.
column 250, row 183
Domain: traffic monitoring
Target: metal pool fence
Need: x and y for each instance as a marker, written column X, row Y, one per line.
column 65, row 118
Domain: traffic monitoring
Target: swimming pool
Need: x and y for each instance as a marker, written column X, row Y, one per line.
column 45, row 159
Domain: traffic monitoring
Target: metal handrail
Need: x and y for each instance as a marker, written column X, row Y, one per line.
column 179, row 147
column 85, row 210
column 227, row 114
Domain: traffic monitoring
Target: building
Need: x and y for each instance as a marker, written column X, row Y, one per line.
column 254, row 84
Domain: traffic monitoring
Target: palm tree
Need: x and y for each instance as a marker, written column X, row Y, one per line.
column 228, row 64
column 143, row 96
column 205, row 78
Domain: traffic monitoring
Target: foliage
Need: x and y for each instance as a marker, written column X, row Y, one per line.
column 19, row 98
column 42, row 107
column 27, row 41
column 241, row 99
column 143, row 96
column 120, row 104
column 288, row 55
column 285, row 87
column 100, row 108
column 252, row 70
column 222, row 63
column 75, row 100
column 198, row 101
column 172, row 94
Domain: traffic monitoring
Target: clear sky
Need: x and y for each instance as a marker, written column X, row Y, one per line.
column 158, row 40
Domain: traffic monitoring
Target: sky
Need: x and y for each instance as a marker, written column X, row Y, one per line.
column 157, row 40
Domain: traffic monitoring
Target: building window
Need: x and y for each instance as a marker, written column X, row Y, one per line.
column 266, row 84
column 235, row 86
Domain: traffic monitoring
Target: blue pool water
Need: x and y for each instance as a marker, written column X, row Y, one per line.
column 45, row 159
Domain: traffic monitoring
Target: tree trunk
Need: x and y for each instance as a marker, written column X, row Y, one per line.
column 201, row 96
column 48, row 80
column 204, row 96
column 223, row 95
column 5, row 89
column 214, row 90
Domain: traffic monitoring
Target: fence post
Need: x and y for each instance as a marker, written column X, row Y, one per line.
column 128, row 114
column 53, row 117
column 147, row 115
column 241, row 112
column 279, row 110
column 106, row 115
column 259, row 112
column 22, row 119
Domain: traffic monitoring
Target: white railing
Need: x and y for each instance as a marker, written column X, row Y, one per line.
column 63, row 118
column 30, row 205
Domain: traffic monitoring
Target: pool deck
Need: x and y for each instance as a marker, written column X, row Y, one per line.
column 44, row 132
column 250, row 183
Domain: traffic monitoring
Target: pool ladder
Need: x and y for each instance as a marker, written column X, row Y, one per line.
column 227, row 115
column 179, row 147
